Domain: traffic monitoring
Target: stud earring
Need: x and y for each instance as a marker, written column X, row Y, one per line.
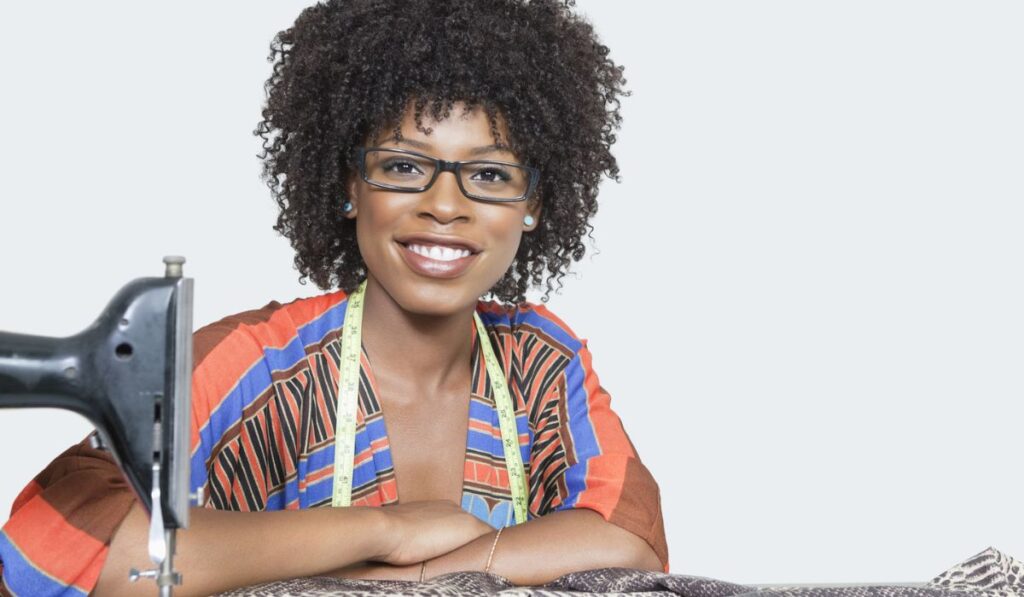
column 528, row 220
column 346, row 207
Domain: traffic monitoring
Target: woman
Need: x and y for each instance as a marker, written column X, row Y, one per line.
column 424, row 154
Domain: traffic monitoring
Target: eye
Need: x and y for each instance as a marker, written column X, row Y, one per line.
column 400, row 166
column 492, row 174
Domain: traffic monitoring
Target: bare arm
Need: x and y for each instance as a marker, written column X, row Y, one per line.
column 223, row 550
column 534, row 553
column 545, row 548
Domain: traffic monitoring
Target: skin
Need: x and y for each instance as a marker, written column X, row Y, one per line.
column 417, row 333
column 224, row 550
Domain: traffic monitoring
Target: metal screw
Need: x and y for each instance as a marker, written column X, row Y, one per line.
column 96, row 442
column 173, row 263
column 134, row 574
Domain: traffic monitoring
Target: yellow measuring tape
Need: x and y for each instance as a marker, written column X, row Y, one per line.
column 348, row 397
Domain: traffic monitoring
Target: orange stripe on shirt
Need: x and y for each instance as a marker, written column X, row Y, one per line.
column 303, row 311
column 484, row 427
column 44, row 537
column 31, row 490
column 547, row 314
column 323, row 473
column 611, row 437
column 604, row 484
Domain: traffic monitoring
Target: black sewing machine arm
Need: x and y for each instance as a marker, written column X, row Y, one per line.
column 129, row 373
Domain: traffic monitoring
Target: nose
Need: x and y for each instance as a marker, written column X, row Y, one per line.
column 444, row 200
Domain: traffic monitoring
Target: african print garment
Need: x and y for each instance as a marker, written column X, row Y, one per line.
column 264, row 397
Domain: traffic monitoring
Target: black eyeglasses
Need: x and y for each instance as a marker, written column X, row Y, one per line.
column 411, row 172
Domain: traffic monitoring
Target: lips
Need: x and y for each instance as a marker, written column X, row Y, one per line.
column 438, row 256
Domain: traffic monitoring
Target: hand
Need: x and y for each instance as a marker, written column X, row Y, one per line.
column 420, row 531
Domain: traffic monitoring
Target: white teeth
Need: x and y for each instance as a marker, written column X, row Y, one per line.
column 439, row 253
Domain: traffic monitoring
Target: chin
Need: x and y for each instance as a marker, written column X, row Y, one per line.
column 436, row 300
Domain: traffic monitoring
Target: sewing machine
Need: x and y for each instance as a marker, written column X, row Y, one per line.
column 130, row 375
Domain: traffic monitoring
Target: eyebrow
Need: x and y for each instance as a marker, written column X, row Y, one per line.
column 490, row 149
column 428, row 147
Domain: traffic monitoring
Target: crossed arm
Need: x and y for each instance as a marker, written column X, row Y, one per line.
column 223, row 550
column 533, row 553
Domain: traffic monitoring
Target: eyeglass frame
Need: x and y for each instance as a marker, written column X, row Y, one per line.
column 446, row 166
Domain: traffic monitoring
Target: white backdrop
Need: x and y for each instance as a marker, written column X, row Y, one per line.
column 818, row 228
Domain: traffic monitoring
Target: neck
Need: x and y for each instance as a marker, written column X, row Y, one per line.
column 430, row 352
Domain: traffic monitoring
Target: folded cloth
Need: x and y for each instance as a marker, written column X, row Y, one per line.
column 987, row 574
column 990, row 571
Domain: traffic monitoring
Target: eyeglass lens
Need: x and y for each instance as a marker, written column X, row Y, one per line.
column 484, row 179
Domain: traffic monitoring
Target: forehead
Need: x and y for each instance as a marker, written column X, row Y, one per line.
column 461, row 130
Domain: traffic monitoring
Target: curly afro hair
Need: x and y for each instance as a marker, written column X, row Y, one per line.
column 348, row 69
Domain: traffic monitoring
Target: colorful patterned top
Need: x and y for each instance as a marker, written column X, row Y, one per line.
column 263, row 414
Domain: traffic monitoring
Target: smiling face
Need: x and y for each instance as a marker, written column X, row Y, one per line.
column 437, row 251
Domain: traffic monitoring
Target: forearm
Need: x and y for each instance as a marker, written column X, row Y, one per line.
column 222, row 550
column 545, row 548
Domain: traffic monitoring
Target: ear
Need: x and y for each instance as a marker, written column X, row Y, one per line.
column 533, row 208
column 352, row 196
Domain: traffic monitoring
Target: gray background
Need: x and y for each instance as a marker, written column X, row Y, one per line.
column 818, row 232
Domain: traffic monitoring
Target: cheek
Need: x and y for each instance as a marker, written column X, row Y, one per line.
column 376, row 221
column 507, row 234
column 369, row 238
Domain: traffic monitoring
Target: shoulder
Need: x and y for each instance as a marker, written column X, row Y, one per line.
column 245, row 336
column 530, row 323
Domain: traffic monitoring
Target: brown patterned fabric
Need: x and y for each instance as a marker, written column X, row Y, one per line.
column 988, row 574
